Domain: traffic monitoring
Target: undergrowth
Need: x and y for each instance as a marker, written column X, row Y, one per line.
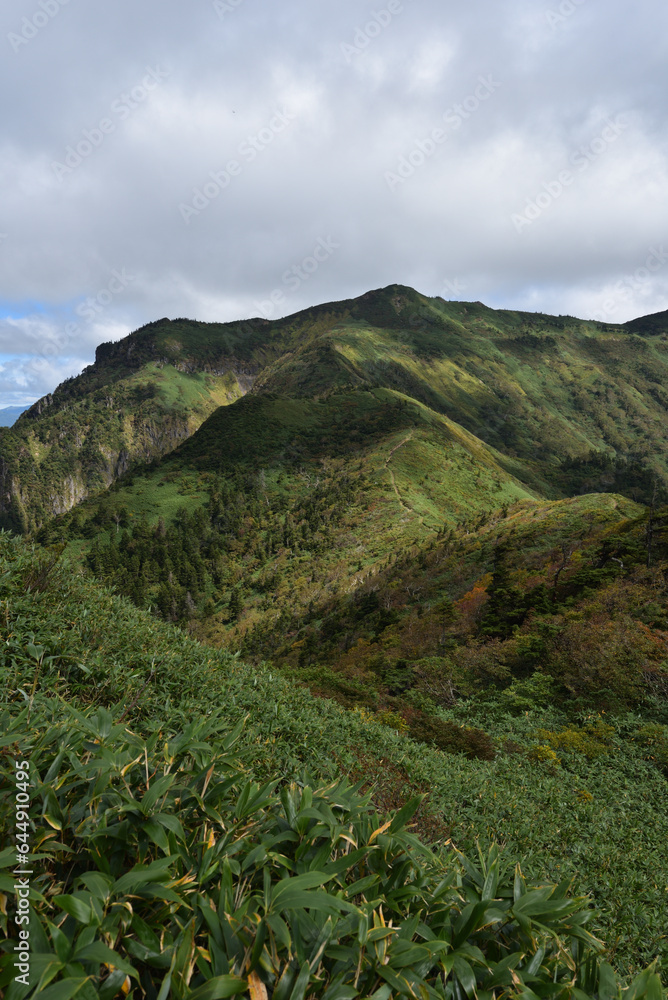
column 76, row 657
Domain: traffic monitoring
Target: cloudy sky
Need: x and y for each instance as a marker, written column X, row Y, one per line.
column 220, row 159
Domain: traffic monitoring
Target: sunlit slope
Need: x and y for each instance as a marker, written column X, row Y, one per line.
column 537, row 388
column 408, row 470
column 581, row 406
column 545, row 390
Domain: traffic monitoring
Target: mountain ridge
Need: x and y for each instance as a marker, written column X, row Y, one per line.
column 449, row 520
column 378, row 431
column 495, row 372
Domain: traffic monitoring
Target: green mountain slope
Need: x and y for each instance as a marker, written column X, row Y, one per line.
column 378, row 551
column 388, row 420
column 578, row 404
column 447, row 519
column 590, row 811
column 542, row 389
column 295, row 496
column 141, row 398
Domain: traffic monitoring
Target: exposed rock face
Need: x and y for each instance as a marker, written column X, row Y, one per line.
column 38, row 408
column 88, row 460
column 122, row 464
column 71, row 492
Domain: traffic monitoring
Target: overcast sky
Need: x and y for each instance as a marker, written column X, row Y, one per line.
column 221, row 160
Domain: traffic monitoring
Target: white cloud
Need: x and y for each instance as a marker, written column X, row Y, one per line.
column 323, row 174
column 430, row 64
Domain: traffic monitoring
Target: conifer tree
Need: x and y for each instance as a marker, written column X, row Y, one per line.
column 505, row 607
column 235, row 605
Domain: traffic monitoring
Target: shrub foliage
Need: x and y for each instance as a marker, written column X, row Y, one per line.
column 165, row 872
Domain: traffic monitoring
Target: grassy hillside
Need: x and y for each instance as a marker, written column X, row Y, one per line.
column 274, row 485
column 376, row 550
column 576, row 799
column 387, row 419
column 424, row 545
column 341, row 578
column 580, row 406
column 361, row 538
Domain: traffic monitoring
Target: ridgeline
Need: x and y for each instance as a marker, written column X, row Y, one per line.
column 413, row 545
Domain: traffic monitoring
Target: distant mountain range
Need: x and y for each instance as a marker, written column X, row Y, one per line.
column 10, row 414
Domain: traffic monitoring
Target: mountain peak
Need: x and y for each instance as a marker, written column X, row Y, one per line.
column 524, row 383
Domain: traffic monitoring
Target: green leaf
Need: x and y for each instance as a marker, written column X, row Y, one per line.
column 61, row 943
column 156, row 833
column 219, row 987
column 491, row 882
column 165, row 987
column 465, row 975
column 158, row 891
column 289, row 887
column 322, row 942
column 280, row 929
column 170, row 823
column 140, row 875
column 646, row 986
column 63, row 990
column 298, row 899
column 405, row 814
column 472, row 918
column 398, row 983
column 382, row 993
column 157, row 790
column 339, row 990
column 500, row 972
column 362, row 886
column 654, row 989
column 112, row 985
column 104, row 723
column 528, row 994
column 283, row 987
column 402, row 957
column 535, row 963
column 52, row 812
column 607, row 982
column 300, row 987
column 83, row 912
column 98, row 952
column 348, row 861
column 98, row 885
column 538, row 904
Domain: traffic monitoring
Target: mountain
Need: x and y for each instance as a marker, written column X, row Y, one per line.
column 141, row 398
column 10, row 414
column 422, row 545
column 370, row 426
column 568, row 405
column 358, row 516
